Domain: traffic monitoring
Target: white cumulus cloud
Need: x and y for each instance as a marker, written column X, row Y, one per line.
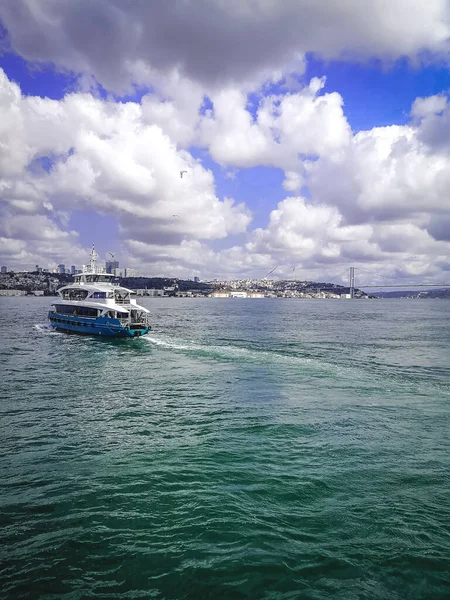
column 109, row 157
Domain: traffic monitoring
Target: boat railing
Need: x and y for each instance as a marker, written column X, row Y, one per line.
column 142, row 320
column 133, row 321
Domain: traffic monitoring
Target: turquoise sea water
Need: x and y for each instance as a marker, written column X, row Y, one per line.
column 274, row 449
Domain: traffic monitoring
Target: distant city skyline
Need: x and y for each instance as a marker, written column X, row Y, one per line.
column 111, row 267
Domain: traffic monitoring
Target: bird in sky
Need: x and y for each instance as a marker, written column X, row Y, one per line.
column 181, row 173
column 174, row 215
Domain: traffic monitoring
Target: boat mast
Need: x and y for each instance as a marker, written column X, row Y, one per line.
column 93, row 260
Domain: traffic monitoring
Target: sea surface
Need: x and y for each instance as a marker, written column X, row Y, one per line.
column 245, row 449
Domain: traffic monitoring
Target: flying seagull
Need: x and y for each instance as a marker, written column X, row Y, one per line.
column 174, row 215
column 181, row 173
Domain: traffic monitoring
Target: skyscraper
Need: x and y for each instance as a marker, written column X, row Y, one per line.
column 73, row 270
column 61, row 269
column 112, row 265
column 4, row 270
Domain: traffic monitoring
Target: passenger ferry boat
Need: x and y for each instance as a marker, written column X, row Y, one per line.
column 95, row 305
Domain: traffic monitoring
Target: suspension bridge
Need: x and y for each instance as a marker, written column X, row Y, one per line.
column 362, row 286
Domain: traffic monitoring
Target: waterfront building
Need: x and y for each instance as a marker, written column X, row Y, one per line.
column 153, row 293
column 130, row 272
column 13, row 293
column 111, row 266
column 220, row 294
column 4, row 269
column 61, row 269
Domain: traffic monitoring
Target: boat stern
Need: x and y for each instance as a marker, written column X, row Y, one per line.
column 137, row 331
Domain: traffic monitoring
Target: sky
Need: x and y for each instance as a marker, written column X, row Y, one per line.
column 312, row 136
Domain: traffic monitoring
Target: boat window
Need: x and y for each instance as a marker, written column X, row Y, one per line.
column 98, row 295
column 74, row 294
column 98, row 278
column 79, row 311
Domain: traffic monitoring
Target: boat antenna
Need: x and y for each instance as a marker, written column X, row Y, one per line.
column 93, row 260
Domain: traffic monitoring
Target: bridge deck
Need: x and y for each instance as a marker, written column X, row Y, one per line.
column 409, row 285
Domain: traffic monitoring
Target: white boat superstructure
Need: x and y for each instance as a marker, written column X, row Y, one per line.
column 98, row 305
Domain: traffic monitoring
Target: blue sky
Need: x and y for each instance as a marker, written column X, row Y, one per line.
column 256, row 140
column 377, row 95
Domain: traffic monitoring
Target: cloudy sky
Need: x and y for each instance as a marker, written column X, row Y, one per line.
column 314, row 135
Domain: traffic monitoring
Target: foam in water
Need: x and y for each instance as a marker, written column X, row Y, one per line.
column 226, row 352
column 326, row 368
column 46, row 329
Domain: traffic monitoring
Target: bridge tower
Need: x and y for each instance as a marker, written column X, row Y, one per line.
column 352, row 282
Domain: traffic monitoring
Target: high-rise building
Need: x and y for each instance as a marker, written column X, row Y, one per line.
column 4, row 270
column 130, row 272
column 196, row 279
column 73, row 270
column 111, row 266
column 61, row 269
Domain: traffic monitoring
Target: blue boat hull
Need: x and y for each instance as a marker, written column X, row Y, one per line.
column 102, row 326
